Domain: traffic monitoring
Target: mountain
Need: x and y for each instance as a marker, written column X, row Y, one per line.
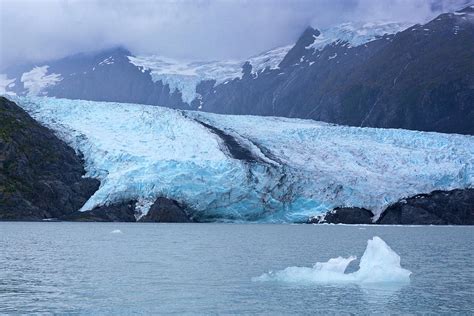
column 104, row 76
column 116, row 75
column 420, row 78
column 359, row 74
column 158, row 163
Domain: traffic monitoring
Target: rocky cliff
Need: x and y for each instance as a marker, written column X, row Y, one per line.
column 40, row 176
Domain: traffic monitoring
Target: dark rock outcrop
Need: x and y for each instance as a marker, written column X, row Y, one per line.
column 117, row 212
column 454, row 207
column 235, row 149
column 167, row 211
column 41, row 177
column 345, row 215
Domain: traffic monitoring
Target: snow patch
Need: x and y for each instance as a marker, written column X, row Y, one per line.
column 5, row 84
column 355, row 34
column 108, row 61
column 36, row 80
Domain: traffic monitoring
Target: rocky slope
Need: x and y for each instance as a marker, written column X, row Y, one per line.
column 40, row 176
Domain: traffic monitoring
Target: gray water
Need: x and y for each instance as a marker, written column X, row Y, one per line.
column 208, row 269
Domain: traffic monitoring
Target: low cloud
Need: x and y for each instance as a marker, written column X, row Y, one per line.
column 36, row 30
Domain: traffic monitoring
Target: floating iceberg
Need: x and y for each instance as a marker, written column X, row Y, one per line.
column 249, row 168
column 379, row 265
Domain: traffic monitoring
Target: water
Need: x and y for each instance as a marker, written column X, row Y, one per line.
column 119, row 268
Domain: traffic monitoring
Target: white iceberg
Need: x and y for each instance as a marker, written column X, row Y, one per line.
column 379, row 265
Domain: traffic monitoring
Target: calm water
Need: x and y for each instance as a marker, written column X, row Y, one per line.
column 207, row 268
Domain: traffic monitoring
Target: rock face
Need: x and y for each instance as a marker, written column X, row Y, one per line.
column 163, row 210
column 40, row 176
column 166, row 211
column 345, row 215
column 118, row 212
column 454, row 207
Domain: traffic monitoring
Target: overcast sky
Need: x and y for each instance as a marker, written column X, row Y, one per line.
column 36, row 30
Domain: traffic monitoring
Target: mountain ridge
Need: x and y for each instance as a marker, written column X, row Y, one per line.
column 358, row 74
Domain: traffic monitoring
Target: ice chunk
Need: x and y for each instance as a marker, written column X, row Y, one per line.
column 379, row 265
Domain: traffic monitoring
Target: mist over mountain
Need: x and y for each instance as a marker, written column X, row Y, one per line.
column 377, row 74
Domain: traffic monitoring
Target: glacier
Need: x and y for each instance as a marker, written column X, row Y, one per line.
column 248, row 168
column 184, row 76
column 378, row 265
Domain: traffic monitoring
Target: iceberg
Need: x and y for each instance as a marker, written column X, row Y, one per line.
column 379, row 265
column 249, row 168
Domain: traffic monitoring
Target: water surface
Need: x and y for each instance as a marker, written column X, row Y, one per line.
column 120, row 268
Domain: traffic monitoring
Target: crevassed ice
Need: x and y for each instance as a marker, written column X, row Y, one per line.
column 379, row 265
column 352, row 166
column 305, row 167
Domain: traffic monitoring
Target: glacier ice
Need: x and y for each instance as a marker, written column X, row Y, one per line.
column 379, row 265
column 297, row 168
column 356, row 33
column 184, row 75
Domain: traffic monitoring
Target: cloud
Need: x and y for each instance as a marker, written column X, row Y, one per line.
column 35, row 30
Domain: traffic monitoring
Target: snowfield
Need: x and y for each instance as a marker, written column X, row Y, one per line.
column 247, row 168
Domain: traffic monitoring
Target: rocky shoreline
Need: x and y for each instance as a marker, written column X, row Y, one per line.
column 455, row 207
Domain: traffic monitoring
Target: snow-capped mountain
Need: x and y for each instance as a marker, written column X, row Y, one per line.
column 361, row 74
column 184, row 76
column 249, row 168
column 419, row 78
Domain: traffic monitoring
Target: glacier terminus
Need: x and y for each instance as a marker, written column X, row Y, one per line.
column 249, row 168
